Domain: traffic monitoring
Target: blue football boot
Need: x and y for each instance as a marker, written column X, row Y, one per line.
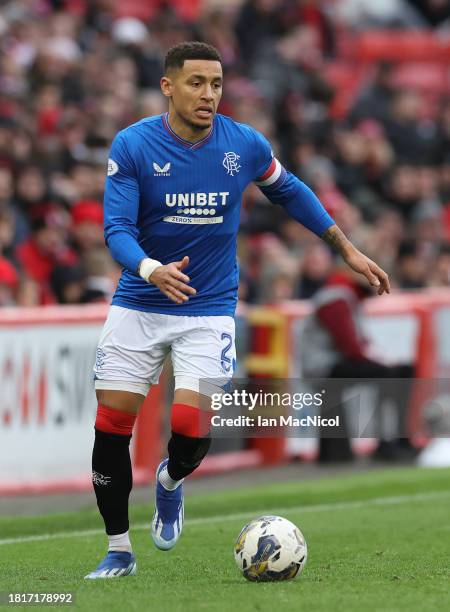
column 116, row 563
column 167, row 523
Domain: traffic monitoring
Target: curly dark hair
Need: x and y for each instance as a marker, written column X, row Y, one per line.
column 191, row 50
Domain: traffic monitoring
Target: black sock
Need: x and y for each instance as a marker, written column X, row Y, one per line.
column 185, row 454
column 112, row 479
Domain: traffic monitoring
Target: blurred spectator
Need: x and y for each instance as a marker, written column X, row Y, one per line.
column 257, row 26
column 28, row 293
column 218, row 30
column 293, row 235
column 402, row 189
column 440, row 276
column 317, row 16
column 333, row 333
column 411, row 268
column 46, row 249
column 375, row 98
column 7, row 231
column 6, row 133
column 132, row 35
column 9, row 281
column 413, row 139
column 85, row 181
column 67, row 284
column 427, row 228
column 31, row 189
column 433, row 12
column 315, row 269
column 282, row 286
column 18, row 222
column 334, row 346
column 278, row 271
column 367, row 14
column 87, row 225
column 101, row 275
column 379, row 153
column 350, row 160
column 245, row 288
column 150, row 102
column 444, row 187
column 383, row 241
column 292, row 69
column 446, row 221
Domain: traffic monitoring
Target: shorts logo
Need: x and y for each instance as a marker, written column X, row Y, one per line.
column 99, row 358
column 231, row 164
column 164, row 171
column 113, row 168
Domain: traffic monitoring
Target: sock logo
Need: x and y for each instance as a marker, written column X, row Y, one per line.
column 99, row 479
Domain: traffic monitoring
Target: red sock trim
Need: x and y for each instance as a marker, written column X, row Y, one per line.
column 189, row 421
column 114, row 421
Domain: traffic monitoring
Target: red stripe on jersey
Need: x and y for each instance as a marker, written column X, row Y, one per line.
column 270, row 170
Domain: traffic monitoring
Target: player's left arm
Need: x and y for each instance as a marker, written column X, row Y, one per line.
column 283, row 188
column 356, row 260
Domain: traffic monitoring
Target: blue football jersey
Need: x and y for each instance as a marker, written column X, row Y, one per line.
column 176, row 198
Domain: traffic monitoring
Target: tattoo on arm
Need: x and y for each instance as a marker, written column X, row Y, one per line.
column 337, row 239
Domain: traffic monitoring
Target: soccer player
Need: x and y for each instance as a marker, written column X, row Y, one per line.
column 172, row 207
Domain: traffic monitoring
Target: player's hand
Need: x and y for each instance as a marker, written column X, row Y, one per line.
column 368, row 268
column 171, row 281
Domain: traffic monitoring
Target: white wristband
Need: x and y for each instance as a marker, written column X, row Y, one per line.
column 147, row 267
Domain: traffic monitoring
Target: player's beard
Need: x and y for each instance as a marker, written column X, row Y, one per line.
column 200, row 127
column 196, row 125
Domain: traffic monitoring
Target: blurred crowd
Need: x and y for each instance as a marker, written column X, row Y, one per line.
column 74, row 72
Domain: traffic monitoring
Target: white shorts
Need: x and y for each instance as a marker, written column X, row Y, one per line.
column 134, row 344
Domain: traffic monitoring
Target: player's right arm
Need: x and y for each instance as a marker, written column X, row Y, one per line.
column 170, row 280
column 121, row 208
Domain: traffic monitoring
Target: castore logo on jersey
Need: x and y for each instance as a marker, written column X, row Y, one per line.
column 164, row 171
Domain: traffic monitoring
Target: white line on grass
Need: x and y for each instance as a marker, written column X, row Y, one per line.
column 377, row 501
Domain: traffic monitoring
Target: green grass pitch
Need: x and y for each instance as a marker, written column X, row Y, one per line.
column 378, row 540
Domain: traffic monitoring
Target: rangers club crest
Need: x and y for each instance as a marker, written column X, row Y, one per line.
column 230, row 163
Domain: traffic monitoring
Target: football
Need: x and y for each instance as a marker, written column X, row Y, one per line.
column 270, row 549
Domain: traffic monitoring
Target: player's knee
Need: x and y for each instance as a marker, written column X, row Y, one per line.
column 190, row 441
column 191, row 398
column 124, row 401
column 113, row 421
column 190, row 421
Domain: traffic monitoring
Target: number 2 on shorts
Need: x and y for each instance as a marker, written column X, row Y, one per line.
column 225, row 361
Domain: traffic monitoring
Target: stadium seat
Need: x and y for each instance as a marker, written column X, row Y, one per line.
column 186, row 9
column 346, row 78
column 425, row 76
column 401, row 46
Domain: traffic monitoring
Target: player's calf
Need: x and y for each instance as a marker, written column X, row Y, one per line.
column 112, row 481
column 111, row 467
column 190, row 441
column 187, row 447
